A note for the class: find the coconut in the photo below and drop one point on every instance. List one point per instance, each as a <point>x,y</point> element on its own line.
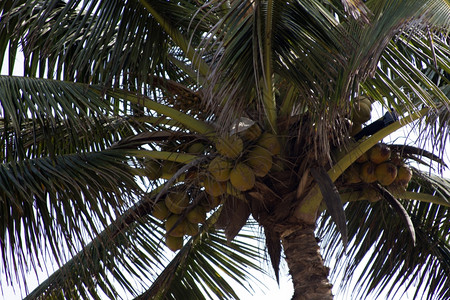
<point>363,158</point>
<point>196,215</point>
<point>361,111</point>
<point>196,148</point>
<point>174,243</point>
<point>364,100</point>
<point>367,172</point>
<point>230,146</point>
<point>396,158</point>
<point>213,187</point>
<point>270,142</point>
<point>351,175</point>
<point>191,229</point>
<point>252,133</point>
<point>379,153</point>
<point>160,211</point>
<point>174,229</point>
<point>242,177</point>
<point>386,173</point>
<point>220,168</point>
<point>404,176</point>
<point>176,202</point>
<point>356,127</point>
<point>371,195</point>
<point>260,160</point>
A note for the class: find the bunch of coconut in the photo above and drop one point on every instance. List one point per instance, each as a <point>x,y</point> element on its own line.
<point>180,217</point>
<point>380,165</point>
<point>234,170</point>
<point>239,159</point>
<point>360,113</point>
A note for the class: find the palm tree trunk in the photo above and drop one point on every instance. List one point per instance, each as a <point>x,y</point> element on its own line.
<point>309,275</point>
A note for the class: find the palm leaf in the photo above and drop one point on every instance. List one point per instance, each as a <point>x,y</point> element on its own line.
<point>394,261</point>
<point>127,248</point>
<point>204,266</point>
<point>35,112</point>
<point>238,82</point>
<point>188,121</point>
<point>131,248</point>
<point>69,198</point>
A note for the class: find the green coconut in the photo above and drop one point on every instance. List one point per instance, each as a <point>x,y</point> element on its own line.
<point>174,229</point>
<point>371,195</point>
<point>363,158</point>
<point>367,172</point>
<point>260,160</point>
<point>355,129</point>
<point>379,153</point>
<point>174,243</point>
<point>242,177</point>
<point>404,175</point>
<point>177,202</point>
<point>196,215</point>
<point>351,175</point>
<point>160,211</point>
<point>386,173</point>
<point>213,187</point>
<point>252,133</point>
<point>220,168</point>
<point>361,110</point>
<point>192,228</point>
<point>196,148</point>
<point>153,169</point>
<point>230,146</point>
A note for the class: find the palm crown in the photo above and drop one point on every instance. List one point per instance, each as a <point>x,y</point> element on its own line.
<point>143,123</point>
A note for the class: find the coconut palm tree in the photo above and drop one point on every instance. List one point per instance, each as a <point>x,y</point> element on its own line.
<point>144,124</point>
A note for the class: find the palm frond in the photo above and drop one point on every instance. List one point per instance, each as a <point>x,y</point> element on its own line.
<point>305,50</point>
<point>124,253</point>
<point>402,83</point>
<point>115,43</point>
<point>204,266</point>
<point>35,112</point>
<point>435,128</point>
<point>357,9</point>
<point>376,65</point>
<point>68,198</point>
<point>407,78</point>
<point>390,18</point>
<point>395,263</point>
<point>130,251</point>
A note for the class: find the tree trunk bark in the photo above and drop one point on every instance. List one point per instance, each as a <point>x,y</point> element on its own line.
<point>309,275</point>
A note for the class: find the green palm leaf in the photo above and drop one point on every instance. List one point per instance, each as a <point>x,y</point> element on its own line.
<point>109,39</point>
<point>203,267</point>
<point>44,200</point>
<point>394,261</point>
<point>130,249</point>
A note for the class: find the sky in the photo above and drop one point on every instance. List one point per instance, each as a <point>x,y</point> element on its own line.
<point>270,291</point>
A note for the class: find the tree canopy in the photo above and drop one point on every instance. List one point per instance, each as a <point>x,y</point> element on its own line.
<point>222,130</point>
